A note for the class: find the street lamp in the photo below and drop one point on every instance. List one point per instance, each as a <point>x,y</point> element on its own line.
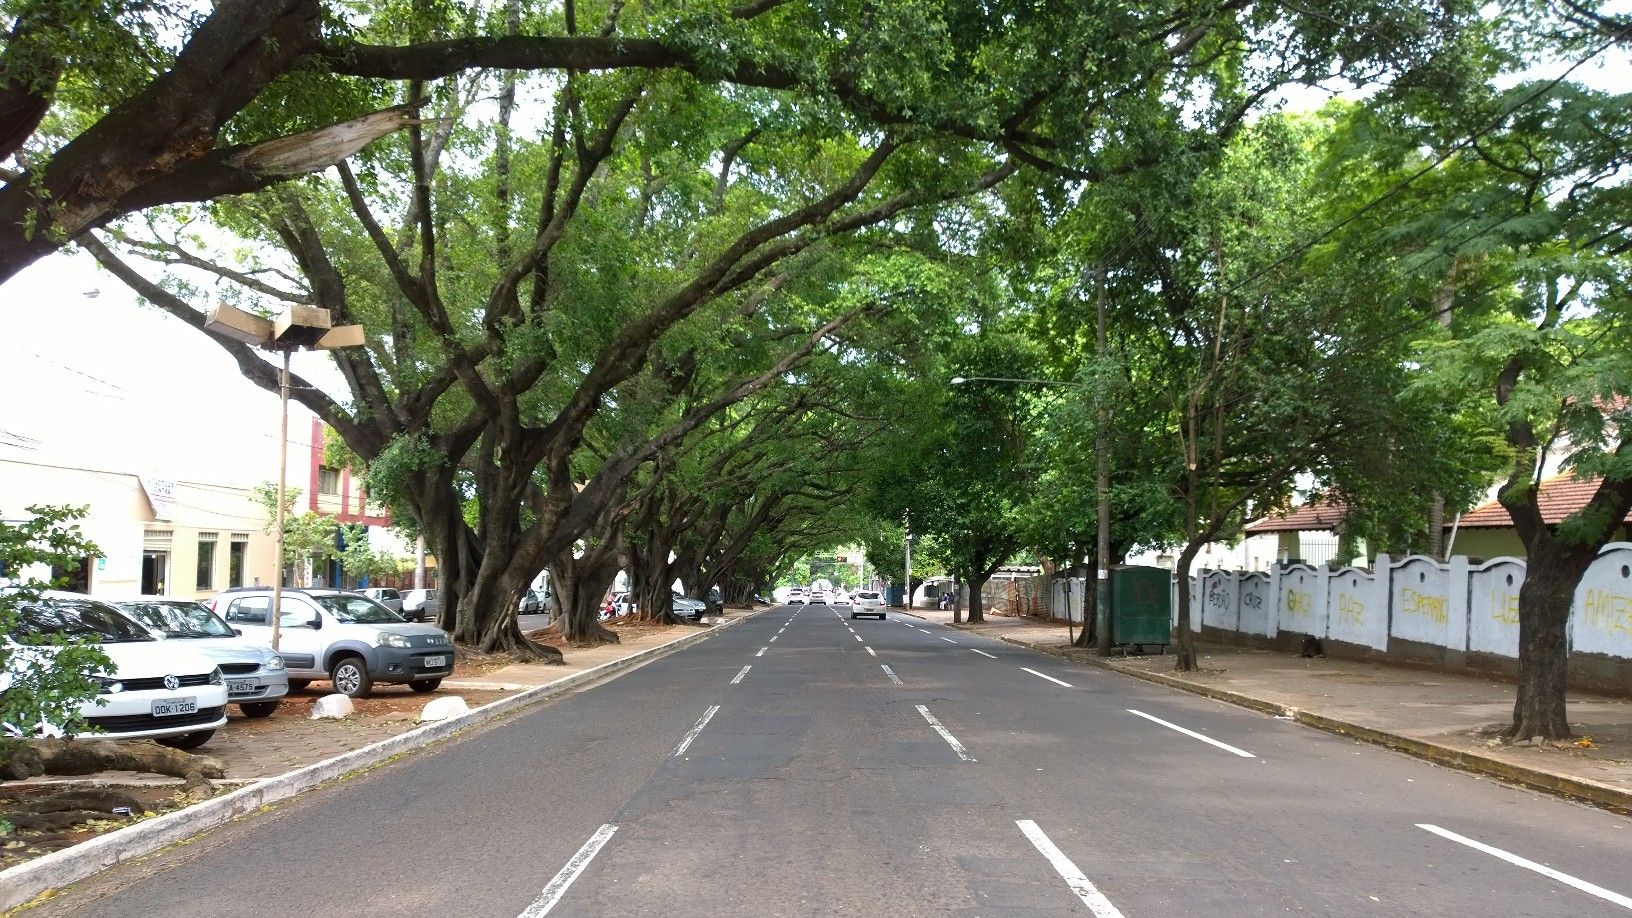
<point>1102,488</point>
<point>298,327</point>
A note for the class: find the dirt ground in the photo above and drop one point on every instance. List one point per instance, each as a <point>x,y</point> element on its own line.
<point>19,845</point>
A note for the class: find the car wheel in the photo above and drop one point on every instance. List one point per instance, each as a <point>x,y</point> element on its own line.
<point>258,708</point>
<point>296,685</point>
<point>350,677</point>
<point>423,686</point>
<point>852,616</point>
<point>187,740</point>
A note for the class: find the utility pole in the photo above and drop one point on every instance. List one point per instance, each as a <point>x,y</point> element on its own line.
<point>1102,487</point>
<point>907,540</point>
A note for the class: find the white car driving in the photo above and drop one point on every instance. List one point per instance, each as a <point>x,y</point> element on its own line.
<point>867,602</point>
<point>797,597</point>
<point>157,689</point>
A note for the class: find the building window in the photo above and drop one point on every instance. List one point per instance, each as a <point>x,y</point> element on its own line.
<point>206,560</point>
<point>237,552</point>
<point>328,480</point>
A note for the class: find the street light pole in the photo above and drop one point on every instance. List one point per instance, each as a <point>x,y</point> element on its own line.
<point>283,475</point>
<point>907,600</point>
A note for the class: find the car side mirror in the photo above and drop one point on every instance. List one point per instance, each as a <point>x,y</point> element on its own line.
<point>238,631</point>
<point>316,623</point>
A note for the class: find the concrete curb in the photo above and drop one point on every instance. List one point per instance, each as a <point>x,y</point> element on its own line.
<point>1596,793</point>
<point>26,882</point>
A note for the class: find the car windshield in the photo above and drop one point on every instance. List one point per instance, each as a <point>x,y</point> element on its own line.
<point>75,618</point>
<point>359,610</point>
<point>177,619</point>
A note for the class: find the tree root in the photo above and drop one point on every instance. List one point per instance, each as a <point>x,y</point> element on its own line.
<point>87,757</point>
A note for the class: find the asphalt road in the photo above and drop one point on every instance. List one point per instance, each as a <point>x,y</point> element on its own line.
<point>778,769</point>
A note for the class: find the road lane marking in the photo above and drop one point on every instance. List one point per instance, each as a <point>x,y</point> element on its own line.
<point>696,730</point>
<point>983,653</point>
<point>1049,678</point>
<point>741,675</point>
<point>1206,739</point>
<point>893,677</point>
<point>857,637</point>
<point>774,637</point>
<point>946,735</point>
<point>948,640</point>
<point>558,886</point>
<point>1080,884</point>
<point>872,651</point>
<point>1566,879</point>
<point>762,651</point>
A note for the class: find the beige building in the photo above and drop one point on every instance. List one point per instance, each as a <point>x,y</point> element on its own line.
<point>156,536</point>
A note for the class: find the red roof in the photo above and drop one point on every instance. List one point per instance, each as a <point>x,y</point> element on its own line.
<point>1560,496</point>
<point>1319,514</point>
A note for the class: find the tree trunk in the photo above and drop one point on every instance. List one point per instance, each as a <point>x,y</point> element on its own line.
<point>87,757</point>
<point>580,584</point>
<point>1184,646</point>
<point>957,601</point>
<point>1552,573</point>
<point>1089,600</point>
<point>977,601</point>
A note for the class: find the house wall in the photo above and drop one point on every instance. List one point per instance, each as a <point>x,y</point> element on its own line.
<point>122,521</point>
<point>1489,543</point>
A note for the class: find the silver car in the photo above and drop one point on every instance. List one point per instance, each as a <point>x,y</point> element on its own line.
<point>255,676</point>
<point>419,605</point>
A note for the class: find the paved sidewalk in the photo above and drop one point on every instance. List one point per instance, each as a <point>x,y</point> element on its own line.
<point>1446,717</point>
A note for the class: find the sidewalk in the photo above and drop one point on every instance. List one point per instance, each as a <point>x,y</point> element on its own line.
<point>1447,718</point>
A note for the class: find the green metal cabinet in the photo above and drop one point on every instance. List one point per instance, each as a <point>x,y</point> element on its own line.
<point>1141,605</point>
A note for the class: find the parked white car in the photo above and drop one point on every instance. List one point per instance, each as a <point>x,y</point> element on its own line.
<point>868,602</point>
<point>346,638</point>
<point>385,596</point>
<point>157,689</point>
<point>256,679</point>
<point>420,605</point>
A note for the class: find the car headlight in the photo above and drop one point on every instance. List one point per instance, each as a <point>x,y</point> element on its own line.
<point>390,639</point>
<point>273,663</point>
<point>216,678</point>
<point>108,686</point>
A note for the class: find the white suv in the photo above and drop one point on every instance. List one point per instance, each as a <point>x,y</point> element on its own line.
<point>868,602</point>
<point>346,638</point>
<point>157,690</point>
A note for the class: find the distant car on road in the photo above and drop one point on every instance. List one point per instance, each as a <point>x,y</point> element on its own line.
<point>868,602</point>
<point>420,605</point>
<point>254,672</point>
<point>798,597</point>
<point>821,596</point>
<point>841,603</point>
<point>385,596</point>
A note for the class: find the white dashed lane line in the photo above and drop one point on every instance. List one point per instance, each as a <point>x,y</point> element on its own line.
<point>945,734</point>
<point>1588,888</point>
<point>1191,733</point>
<point>1085,889</point>
<point>948,640</point>
<point>696,730</point>
<point>740,675</point>
<point>891,673</point>
<point>558,886</point>
<point>1048,677</point>
<point>762,651</point>
<point>871,651</point>
<point>984,654</point>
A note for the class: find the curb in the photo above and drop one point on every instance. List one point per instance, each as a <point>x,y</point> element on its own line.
<point>1607,796</point>
<point>27,882</point>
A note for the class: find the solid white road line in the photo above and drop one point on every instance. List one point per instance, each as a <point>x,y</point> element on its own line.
<point>984,653</point>
<point>948,640</point>
<point>558,886</point>
<point>695,730</point>
<point>950,739</point>
<point>741,675</point>
<point>762,651</point>
<point>1566,879</point>
<point>872,651</point>
<point>1080,884</point>
<point>891,673</point>
<point>1049,678</point>
<point>1206,739</point>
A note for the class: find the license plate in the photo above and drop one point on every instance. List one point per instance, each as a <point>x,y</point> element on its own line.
<point>173,706</point>
<point>242,687</point>
<point>434,662</point>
